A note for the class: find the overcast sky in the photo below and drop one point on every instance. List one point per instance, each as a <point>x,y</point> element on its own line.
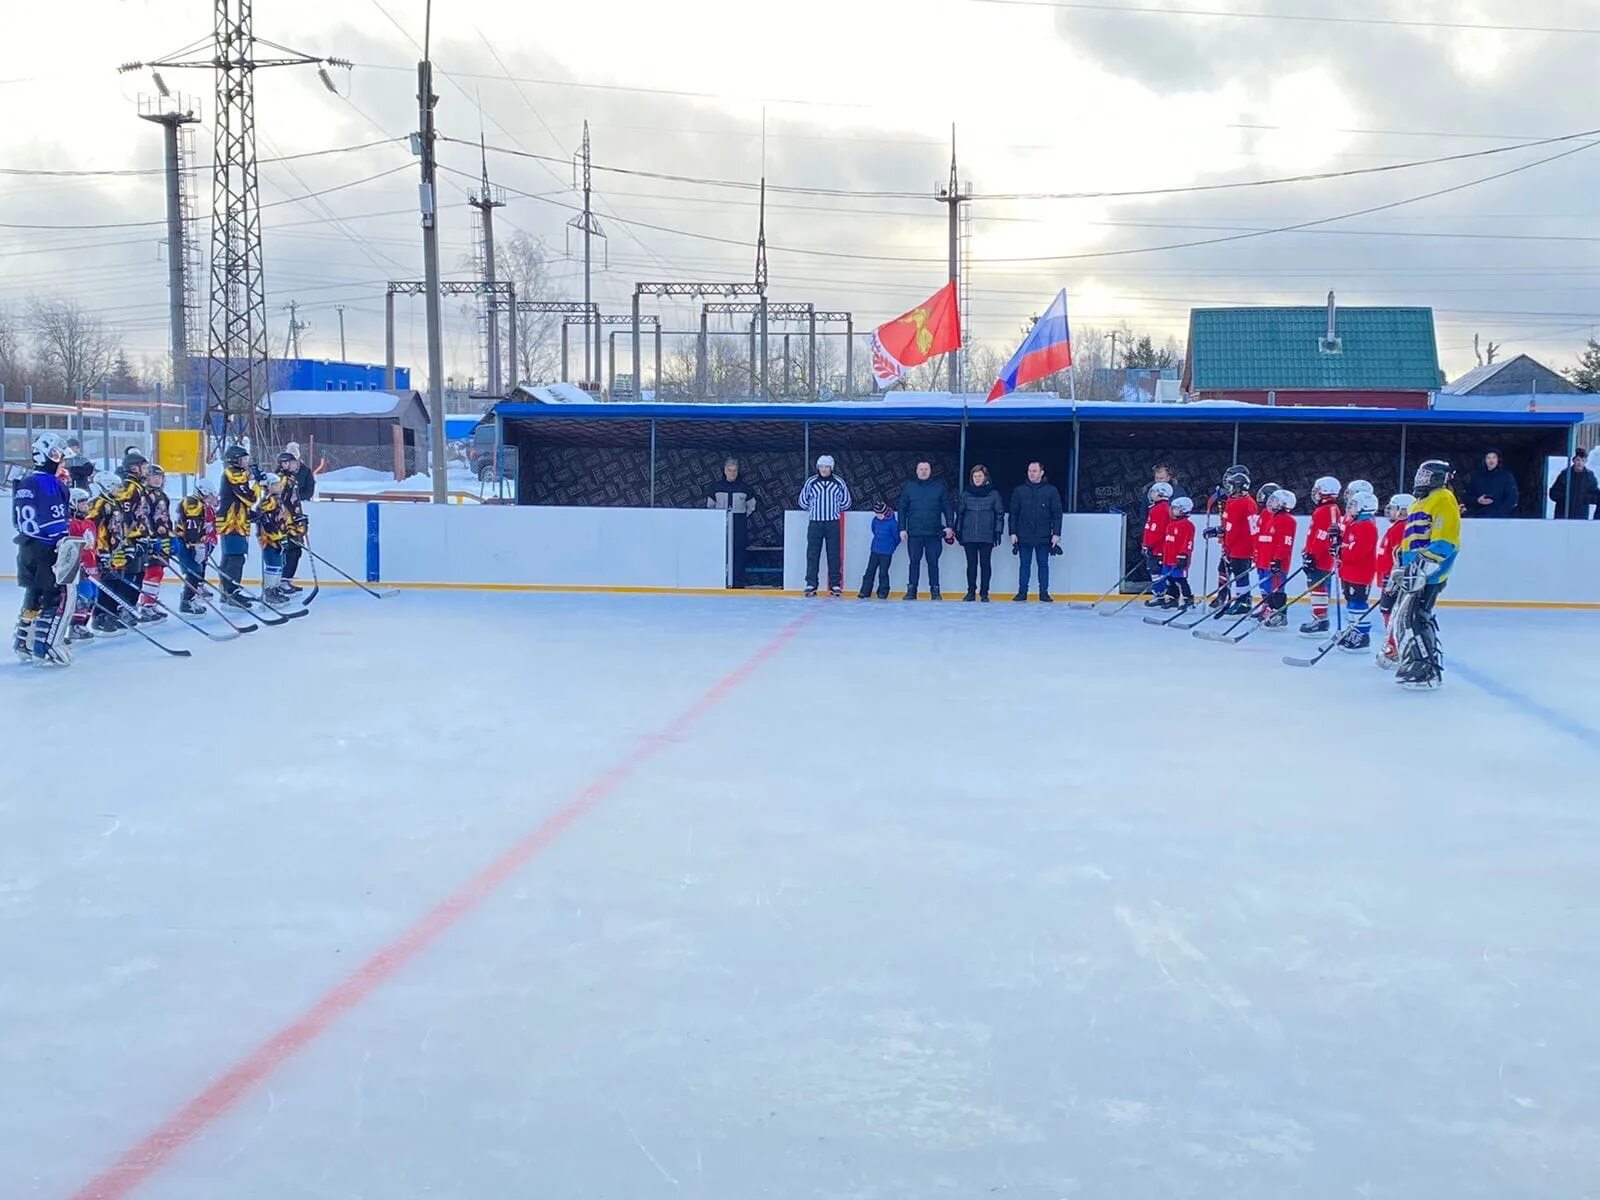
<point>859,96</point>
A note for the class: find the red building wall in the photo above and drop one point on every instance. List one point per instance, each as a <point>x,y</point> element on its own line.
<point>1335,399</point>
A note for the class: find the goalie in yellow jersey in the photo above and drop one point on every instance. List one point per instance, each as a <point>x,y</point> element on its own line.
<point>1427,554</point>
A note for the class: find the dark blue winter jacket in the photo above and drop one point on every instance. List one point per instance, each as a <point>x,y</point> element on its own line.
<point>885,534</point>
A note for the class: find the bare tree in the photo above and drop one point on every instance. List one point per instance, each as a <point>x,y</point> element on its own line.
<point>524,261</point>
<point>13,366</point>
<point>73,349</point>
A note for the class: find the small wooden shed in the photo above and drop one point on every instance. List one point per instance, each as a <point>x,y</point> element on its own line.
<point>381,430</point>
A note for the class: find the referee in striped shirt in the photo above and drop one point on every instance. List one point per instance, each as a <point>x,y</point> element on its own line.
<point>824,497</point>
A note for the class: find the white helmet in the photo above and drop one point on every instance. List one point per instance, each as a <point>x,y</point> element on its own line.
<point>1160,490</point>
<point>205,489</point>
<point>271,480</point>
<point>1285,499</point>
<point>106,484</point>
<point>824,460</point>
<point>1358,485</point>
<point>1327,487</point>
<point>1361,504</point>
<point>78,496</point>
<point>49,449</point>
<point>1403,501</point>
<point>1182,506</point>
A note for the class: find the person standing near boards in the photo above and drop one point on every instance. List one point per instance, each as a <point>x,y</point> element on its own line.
<point>824,497</point>
<point>980,520</point>
<point>1035,529</point>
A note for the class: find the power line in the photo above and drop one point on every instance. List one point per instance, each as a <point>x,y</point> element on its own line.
<point>198,167</point>
<point>1320,18</point>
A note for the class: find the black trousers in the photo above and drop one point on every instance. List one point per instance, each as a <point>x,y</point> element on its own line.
<point>36,575</point>
<point>877,566</point>
<point>919,546</point>
<point>291,560</point>
<point>979,566</point>
<point>820,535</point>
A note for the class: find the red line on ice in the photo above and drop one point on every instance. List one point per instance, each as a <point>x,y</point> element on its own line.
<point>140,1162</point>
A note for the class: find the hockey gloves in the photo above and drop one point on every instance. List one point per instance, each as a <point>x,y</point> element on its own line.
<point>1212,531</point>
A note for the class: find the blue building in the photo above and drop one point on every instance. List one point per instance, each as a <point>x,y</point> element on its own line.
<point>327,375</point>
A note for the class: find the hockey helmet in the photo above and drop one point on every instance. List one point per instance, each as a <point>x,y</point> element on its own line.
<point>235,455</point>
<point>1361,504</point>
<point>1236,479</point>
<point>1160,490</point>
<point>78,496</point>
<point>1325,488</point>
<point>1431,476</point>
<point>156,471</point>
<point>271,480</point>
<point>1358,485</point>
<point>1284,499</point>
<point>107,485</point>
<point>1264,493</point>
<point>287,456</point>
<point>1399,505</point>
<point>49,449</point>
<point>205,489</point>
<point>1182,506</point>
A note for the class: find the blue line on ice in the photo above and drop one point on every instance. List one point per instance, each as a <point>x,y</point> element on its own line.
<point>1525,703</point>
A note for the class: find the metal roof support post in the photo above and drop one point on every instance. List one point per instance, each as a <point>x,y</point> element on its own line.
<point>566,376</point>
<point>638,383</point>
<point>961,471</point>
<point>500,461</point>
<point>1572,449</point>
<point>1402,480</point>
<point>1072,468</point>
<point>1235,441</point>
<point>652,455</point>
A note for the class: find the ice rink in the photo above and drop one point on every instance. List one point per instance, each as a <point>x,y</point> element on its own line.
<point>469,896</point>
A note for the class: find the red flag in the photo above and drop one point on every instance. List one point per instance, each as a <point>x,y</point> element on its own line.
<point>933,327</point>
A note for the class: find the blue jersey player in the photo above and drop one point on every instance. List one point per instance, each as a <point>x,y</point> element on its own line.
<point>40,510</point>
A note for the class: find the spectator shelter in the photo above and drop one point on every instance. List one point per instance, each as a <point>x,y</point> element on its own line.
<point>384,431</point>
<point>1100,455</point>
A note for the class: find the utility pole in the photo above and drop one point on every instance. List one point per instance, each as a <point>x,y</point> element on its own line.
<point>172,117</point>
<point>591,229</point>
<point>430,265</point>
<point>953,197</point>
<point>343,357</point>
<point>1113,335</point>
<point>761,267</point>
<point>486,199</point>
<point>291,343</point>
<point>237,373</point>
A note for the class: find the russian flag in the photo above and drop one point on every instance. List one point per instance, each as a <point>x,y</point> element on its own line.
<point>1046,350</point>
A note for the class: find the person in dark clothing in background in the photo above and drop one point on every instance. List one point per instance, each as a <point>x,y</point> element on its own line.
<point>305,479</point>
<point>925,523</point>
<point>980,520</point>
<point>1035,529</point>
<point>1492,490</point>
<point>1585,489</point>
<point>885,538</point>
<point>733,494</point>
<point>1162,472</point>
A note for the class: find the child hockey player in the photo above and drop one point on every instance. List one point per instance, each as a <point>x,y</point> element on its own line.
<point>118,514</point>
<point>1176,550</point>
<point>40,511</point>
<point>885,537</point>
<point>1154,538</point>
<point>79,526</point>
<point>1237,533</point>
<point>239,497</point>
<point>1432,541</point>
<point>1274,544</point>
<point>158,524</point>
<point>1358,563</point>
<point>1321,546</point>
<point>1388,582</point>
<point>295,523</point>
<point>197,538</point>
<point>271,532</point>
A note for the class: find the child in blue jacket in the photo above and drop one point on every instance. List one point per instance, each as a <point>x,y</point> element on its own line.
<point>885,537</point>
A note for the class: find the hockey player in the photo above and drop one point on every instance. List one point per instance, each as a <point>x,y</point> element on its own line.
<point>118,514</point>
<point>1358,563</point>
<point>80,527</point>
<point>158,524</point>
<point>106,518</point>
<point>1237,532</point>
<point>197,538</point>
<point>1432,541</point>
<point>1176,550</point>
<point>40,511</point>
<point>1274,543</point>
<point>1153,541</point>
<point>295,522</point>
<point>239,497</point>
<point>271,531</point>
<point>1321,546</point>
<point>1399,508</point>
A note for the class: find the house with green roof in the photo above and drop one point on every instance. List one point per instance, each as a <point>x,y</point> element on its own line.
<point>1361,357</point>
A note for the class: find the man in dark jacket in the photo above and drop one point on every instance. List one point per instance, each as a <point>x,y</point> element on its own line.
<point>1492,490</point>
<point>1585,489</point>
<point>732,494</point>
<point>1035,529</point>
<point>925,521</point>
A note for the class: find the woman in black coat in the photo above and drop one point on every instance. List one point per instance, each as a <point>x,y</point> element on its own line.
<point>980,520</point>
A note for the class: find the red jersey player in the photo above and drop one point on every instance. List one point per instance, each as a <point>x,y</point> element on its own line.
<point>1155,535</point>
<point>1358,562</point>
<point>1275,529</point>
<point>1177,548</point>
<point>1319,551</point>
<point>80,526</point>
<point>1388,558</point>
<point>1238,543</point>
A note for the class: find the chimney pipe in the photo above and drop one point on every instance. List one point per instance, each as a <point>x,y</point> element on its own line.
<point>1332,336</point>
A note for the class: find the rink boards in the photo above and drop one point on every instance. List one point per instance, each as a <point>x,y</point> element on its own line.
<point>1509,562</point>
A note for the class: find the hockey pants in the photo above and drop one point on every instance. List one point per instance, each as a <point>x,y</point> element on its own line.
<point>1317,580</point>
<point>234,548</point>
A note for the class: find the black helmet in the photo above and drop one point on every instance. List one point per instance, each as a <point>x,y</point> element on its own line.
<point>235,454</point>
<point>1431,476</point>
<point>286,457</point>
<point>1264,492</point>
<point>1236,479</point>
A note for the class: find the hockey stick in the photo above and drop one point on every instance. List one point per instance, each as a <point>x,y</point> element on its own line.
<point>133,623</point>
<point>1225,635</point>
<point>316,584</point>
<point>376,593</point>
<point>205,592</point>
<point>233,630</point>
<point>250,598</point>
<point>1085,605</point>
<point>1290,660</point>
<point>1111,612</point>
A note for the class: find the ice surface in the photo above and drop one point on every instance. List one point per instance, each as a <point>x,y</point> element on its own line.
<point>932,901</point>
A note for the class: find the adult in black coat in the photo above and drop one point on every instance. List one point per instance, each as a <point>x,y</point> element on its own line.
<point>1035,529</point>
<point>1585,489</point>
<point>305,479</point>
<point>1492,490</point>
<point>926,521</point>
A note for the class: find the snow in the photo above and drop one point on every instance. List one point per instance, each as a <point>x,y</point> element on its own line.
<point>366,481</point>
<point>898,901</point>
<point>308,403</point>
